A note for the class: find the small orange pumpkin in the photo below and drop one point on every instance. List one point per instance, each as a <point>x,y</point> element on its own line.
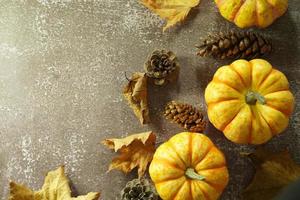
<point>249,101</point>
<point>247,13</point>
<point>189,167</point>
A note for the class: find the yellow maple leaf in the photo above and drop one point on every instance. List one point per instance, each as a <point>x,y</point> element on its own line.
<point>274,171</point>
<point>135,151</point>
<point>173,11</point>
<point>135,93</point>
<point>56,187</point>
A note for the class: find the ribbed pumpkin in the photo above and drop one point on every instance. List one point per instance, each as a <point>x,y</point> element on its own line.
<point>249,101</point>
<point>247,13</point>
<point>189,167</point>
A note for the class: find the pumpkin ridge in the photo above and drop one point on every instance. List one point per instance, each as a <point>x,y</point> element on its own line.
<point>215,79</point>
<point>205,154</point>
<point>270,84</point>
<point>167,162</point>
<point>174,149</point>
<point>194,184</point>
<point>265,78</point>
<point>283,112</point>
<point>284,90</point>
<point>234,14</point>
<point>251,75</point>
<point>218,187</point>
<point>241,78</point>
<point>179,190</point>
<point>251,71</point>
<point>190,188</point>
<point>251,126</point>
<point>173,157</point>
<point>212,168</point>
<point>169,179</point>
<point>277,91</point>
<point>224,99</point>
<point>191,148</point>
<point>275,12</point>
<point>176,192</point>
<point>223,128</point>
<point>237,10</point>
<point>262,116</point>
<point>205,193</point>
<point>256,13</point>
<point>288,111</point>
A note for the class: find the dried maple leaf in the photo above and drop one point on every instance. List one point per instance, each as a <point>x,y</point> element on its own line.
<point>136,94</point>
<point>135,151</point>
<point>173,11</point>
<point>56,187</point>
<point>273,173</point>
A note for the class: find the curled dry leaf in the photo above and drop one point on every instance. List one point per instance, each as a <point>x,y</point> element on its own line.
<point>274,171</point>
<point>136,94</point>
<point>56,187</point>
<point>173,11</point>
<point>135,151</point>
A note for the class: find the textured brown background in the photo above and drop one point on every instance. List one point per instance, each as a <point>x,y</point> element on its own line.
<point>61,76</point>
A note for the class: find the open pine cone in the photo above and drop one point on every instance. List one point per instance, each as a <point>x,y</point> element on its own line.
<point>139,189</point>
<point>237,45</point>
<point>161,66</point>
<point>186,116</point>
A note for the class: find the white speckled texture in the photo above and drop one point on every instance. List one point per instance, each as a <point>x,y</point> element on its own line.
<point>61,77</point>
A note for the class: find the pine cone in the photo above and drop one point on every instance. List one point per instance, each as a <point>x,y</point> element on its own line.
<point>243,45</point>
<point>161,65</point>
<point>186,116</point>
<point>139,189</point>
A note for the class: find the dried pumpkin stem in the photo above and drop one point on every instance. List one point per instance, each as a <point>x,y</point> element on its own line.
<point>190,173</point>
<point>253,97</point>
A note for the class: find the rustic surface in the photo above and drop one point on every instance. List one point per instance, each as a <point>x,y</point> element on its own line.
<point>61,76</point>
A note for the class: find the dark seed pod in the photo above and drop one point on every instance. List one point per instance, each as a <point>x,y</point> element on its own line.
<point>161,65</point>
<point>139,189</point>
<point>235,45</point>
<point>186,116</point>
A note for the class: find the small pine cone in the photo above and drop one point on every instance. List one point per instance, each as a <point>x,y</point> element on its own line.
<point>236,45</point>
<point>160,65</point>
<point>139,189</point>
<point>186,116</point>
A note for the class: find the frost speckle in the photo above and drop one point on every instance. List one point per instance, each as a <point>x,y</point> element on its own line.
<point>8,51</point>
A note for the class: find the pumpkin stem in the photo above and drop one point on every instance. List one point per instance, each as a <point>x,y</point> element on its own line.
<point>190,173</point>
<point>253,97</point>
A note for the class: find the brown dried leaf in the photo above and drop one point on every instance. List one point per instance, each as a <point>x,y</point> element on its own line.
<point>136,94</point>
<point>56,187</point>
<point>173,11</point>
<point>135,151</point>
<point>274,171</point>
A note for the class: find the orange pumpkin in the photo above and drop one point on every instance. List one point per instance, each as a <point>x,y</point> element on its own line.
<point>249,101</point>
<point>247,13</point>
<point>189,167</point>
